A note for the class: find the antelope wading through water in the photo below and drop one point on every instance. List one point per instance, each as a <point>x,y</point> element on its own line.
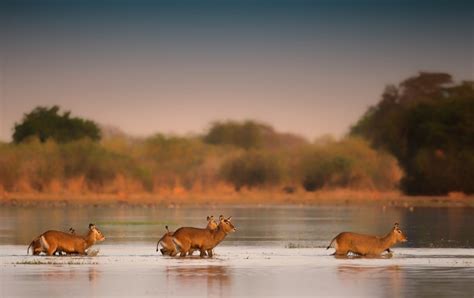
<point>366,245</point>
<point>166,242</point>
<point>36,245</point>
<point>204,240</point>
<point>52,241</point>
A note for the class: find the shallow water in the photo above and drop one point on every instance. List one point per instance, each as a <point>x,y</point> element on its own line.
<point>257,260</point>
<point>269,226</point>
<point>239,271</point>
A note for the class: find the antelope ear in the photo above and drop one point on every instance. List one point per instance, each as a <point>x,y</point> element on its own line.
<point>229,218</point>
<point>208,218</point>
<point>91,226</point>
<point>221,217</point>
<point>396,225</point>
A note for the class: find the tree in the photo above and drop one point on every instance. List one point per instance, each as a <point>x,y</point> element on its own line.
<point>427,123</point>
<point>245,135</point>
<point>252,169</point>
<point>250,135</point>
<point>46,123</point>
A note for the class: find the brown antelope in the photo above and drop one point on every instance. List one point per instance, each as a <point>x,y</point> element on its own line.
<point>52,241</point>
<point>204,240</point>
<point>36,245</point>
<point>365,244</point>
<point>167,241</point>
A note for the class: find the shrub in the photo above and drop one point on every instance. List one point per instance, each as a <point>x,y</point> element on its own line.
<point>252,169</point>
<point>347,163</point>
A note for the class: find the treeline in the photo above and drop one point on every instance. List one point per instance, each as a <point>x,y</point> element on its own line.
<point>230,156</point>
<point>419,137</point>
<point>427,123</point>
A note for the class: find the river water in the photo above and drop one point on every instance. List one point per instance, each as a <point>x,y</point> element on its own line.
<point>276,251</point>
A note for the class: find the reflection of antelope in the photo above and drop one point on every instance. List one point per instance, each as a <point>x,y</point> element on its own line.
<point>52,241</point>
<point>216,278</point>
<point>167,240</point>
<point>36,245</point>
<point>205,240</point>
<point>365,244</point>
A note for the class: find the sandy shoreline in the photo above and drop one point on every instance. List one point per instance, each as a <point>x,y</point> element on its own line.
<point>248,198</point>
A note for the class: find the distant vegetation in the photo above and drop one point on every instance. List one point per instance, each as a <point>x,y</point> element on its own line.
<point>250,135</point>
<point>427,123</point>
<point>349,163</point>
<point>251,169</point>
<point>230,156</point>
<point>46,123</point>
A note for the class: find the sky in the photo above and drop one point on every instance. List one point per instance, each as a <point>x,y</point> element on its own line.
<point>306,67</point>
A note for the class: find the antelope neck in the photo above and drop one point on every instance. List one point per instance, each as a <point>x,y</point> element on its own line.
<point>219,233</point>
<point>388,239</point>
<point>89,238</point>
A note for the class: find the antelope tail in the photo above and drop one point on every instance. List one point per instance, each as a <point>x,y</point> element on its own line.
<point>330,244</point>
<point>161,242</point>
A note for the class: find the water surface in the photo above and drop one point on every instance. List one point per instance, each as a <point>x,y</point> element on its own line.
<point>276,251</point>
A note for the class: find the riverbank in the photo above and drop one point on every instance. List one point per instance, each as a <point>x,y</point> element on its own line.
<point>254,197</point>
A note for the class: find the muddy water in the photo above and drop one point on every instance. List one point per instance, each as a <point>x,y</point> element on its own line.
<point>275,252</point>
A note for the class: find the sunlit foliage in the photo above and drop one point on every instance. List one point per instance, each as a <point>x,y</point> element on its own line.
<point>427,123</point>
<point>349,163</point>
<point>243,155</point>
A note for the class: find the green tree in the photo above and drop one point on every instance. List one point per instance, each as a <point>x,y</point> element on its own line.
<point>251,135</point>
<point>427,122</point>
<point>46,123</point>
<point>245,135</point>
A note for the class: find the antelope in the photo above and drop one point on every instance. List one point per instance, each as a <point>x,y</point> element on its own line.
<point>36,245</point>
<point>365,244</point>
<point>167,241</point>
<point>52,241</point>
<point>205,240</point>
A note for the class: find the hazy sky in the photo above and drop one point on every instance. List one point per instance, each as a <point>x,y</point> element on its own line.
<point>307,67</point>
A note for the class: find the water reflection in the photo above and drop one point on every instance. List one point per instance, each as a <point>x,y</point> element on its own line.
<point>355,256</point>
<point>93,274</point>
<point>447,282</point>
<point>387,281</point>
<point>311,226</point>
<point>62,274</point>
<point>215,280</point>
